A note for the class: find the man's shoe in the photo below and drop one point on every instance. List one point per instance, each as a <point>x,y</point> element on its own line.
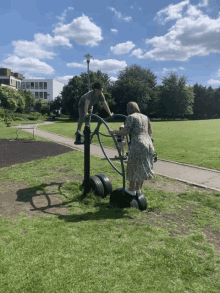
<point>78,142</point>
<point>78,139</point>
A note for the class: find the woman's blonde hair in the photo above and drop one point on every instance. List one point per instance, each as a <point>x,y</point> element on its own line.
<point>132,108</point>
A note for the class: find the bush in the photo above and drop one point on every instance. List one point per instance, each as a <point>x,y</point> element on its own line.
<point>20,116</point>
<point>215,116</point>
<point>64,116</point>
<point>35,116</point>
<point>45,116</point>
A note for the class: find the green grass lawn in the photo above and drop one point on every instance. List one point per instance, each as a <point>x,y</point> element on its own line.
<point>98,249</point>
<point>192,142</point>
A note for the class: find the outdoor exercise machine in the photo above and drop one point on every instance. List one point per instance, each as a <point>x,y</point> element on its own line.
<point>100,183</point>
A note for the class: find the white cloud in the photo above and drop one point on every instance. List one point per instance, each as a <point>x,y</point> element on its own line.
<point>27,64</point>
<point>106,66</point>
<point>132,7</point>
<point>168,69</point>
<point>128,18</point>
<point>63,15</point>
<point>172,12</point>
<point>204,4</point>
<point>113,30</point>
<point>119,15</point>
<point>47,40</point>
<point>36,49</point>
<point>31,49</point>
<point>213,82</point>
<point>122,48</point>
<point>64,79</point>
<point>82,30</point>
<point>138,53</point>
<point>113,79</point>
<point>165,70</point>
<point>73,64</point>
<point>193,35</point>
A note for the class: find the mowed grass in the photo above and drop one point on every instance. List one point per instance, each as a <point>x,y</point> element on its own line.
<point>98,249</point>
<point>193,142</point>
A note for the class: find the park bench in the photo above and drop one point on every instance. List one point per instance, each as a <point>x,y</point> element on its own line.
<point>22,126</point>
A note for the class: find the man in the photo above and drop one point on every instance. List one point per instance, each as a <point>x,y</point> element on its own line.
<point>86,103</point>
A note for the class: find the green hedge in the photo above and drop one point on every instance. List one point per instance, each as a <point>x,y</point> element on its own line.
<point>22,117</point>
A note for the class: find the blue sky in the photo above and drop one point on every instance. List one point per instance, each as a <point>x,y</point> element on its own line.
<point>48,39</point>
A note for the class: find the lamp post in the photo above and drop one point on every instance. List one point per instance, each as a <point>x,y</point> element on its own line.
<point>88,60</point>
<point>49,104</point>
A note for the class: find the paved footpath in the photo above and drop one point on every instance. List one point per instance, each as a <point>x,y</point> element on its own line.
<point>198,176</point>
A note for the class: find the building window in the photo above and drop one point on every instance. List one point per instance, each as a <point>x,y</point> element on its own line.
<point>40,85</point>
<point>32,85</point>
<point>16,84</point>
<point>45,85</point>
<point>45,95</point>
<point>41,95</point>
<point>36,95</point>
<point>36,85</point>
<point>23,85</point>
<point>28,85</point>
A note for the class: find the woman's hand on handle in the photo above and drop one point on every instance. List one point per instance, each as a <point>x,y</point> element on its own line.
<point>111,131</point>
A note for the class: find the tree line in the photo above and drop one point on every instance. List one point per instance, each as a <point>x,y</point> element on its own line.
<point>172,99</point>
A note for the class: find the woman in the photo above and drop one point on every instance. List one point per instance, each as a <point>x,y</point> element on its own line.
<point>140,159</point>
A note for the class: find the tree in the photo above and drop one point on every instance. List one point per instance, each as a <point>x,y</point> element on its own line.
<point>71,94</point>
<point>135,84</point>
<point>41,106</point>
<point>11,99</point>
<point>207,102</point>
<point>29,99</point>
<point>56,104</point>
<point>217,103</point>
<point>176,99</point>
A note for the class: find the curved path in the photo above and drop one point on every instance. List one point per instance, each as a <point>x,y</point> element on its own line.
<point>202,177</point>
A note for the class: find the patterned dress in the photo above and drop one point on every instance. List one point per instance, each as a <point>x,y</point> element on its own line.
<point>140,159</point>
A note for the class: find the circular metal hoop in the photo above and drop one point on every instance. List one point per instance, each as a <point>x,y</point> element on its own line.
<point>113,136</point>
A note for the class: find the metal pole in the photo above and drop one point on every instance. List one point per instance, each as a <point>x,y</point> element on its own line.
<point>88,77</point>
<point>87,133</point>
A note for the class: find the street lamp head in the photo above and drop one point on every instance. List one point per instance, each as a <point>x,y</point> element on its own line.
<point>88,57</point>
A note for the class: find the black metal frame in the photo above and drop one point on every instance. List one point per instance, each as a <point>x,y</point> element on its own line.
<point>88,135</point>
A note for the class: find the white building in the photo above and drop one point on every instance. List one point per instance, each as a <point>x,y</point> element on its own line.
<point>46,89</point>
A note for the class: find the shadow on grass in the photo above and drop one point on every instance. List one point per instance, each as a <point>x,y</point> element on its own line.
<point>105,210</point>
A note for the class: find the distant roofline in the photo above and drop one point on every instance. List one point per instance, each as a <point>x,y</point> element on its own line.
<point>42,79</point>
